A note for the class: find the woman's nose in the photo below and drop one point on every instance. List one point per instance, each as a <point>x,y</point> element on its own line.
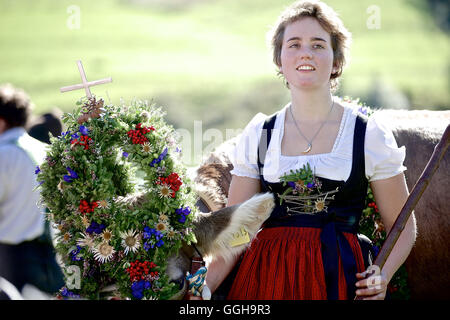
<point>305,53</point>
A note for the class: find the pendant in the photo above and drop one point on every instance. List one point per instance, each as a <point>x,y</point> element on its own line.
<point>308,149</point>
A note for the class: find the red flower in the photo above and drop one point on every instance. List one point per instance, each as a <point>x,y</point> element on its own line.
<point>138,135</point>
<point>173,181</point>
<point>86,207</point>
<point>84,141</point>
<point>138,270</point>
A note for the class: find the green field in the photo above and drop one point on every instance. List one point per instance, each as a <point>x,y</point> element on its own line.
<point>207,60</point>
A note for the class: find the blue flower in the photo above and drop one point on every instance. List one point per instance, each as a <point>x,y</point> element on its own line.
<point>72,175</point>
<point>291,184</point>
<point>160,158</point>
<point>74,253</point>
<point>154,237</point>
<point>37,170</point>
<point>138,287</point>
<point>125,154</point>
<point>147,246</point>
<point>63,134</point>
<point>183,213</point>
<point>68,294</point>
<point>95,227</point>
<point>311,184</point>
<point>148,232</point>
<point>84,131</point>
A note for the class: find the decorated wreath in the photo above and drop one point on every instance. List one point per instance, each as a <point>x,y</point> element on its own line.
<point>108,153</point>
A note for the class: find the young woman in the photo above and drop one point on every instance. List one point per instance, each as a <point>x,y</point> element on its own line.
<point>315,256</point>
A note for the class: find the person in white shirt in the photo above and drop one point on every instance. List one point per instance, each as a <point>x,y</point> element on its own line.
<point>26,251</point>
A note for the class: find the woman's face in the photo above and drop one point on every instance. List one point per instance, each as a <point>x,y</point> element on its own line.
<point>306,55</point>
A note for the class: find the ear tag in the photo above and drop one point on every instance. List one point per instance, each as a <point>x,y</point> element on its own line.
<point>239,238</point>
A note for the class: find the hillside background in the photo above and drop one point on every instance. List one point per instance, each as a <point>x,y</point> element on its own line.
<point>207,60</point>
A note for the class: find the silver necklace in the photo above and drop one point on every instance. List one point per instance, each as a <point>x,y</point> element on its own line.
<point>308,149</point>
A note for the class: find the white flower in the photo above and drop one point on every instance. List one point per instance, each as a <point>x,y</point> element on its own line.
<point>163,217</point>
<point>162,226</point>
<point>165,191</point>
<point>130,241</point>
<point>103,252</point>
<point>103,204</point>
<point>86,240</point>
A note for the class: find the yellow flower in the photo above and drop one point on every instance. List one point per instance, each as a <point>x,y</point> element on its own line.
<point>66,237</point>
<point>162,217</point>
<point>107,235</point>
<point>161,226</point>
<point>171,234</point>
<point>319,205</point>
<point>146,147</point>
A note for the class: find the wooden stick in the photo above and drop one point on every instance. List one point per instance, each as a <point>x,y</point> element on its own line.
<point>411,202</point>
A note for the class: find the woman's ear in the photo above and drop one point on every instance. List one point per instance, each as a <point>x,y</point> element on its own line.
<point>335,68</point>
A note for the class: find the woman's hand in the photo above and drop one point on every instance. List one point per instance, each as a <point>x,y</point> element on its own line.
<point>372,288</point>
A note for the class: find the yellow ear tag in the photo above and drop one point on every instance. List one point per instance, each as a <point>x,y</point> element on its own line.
<point>239,238</point>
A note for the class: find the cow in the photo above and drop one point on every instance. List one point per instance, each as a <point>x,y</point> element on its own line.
<point>419,131</point>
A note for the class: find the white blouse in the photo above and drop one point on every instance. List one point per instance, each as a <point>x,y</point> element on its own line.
<point>383,158</point>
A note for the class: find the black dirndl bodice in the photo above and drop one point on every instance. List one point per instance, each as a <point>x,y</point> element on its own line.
<point>342,215</point>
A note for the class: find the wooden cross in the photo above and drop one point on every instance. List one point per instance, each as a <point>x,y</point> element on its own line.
<point>85,83</point>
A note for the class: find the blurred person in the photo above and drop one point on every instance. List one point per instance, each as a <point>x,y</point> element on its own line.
<point>42,126</point>
<point>26,251</point>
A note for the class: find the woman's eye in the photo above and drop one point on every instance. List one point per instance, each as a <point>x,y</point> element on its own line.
<point>294,45</point>
<point>318,46</point>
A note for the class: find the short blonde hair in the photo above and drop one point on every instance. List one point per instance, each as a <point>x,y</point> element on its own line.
<point>330,22</point>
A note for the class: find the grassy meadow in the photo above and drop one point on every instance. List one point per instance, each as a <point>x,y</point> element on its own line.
<point>207,60</point>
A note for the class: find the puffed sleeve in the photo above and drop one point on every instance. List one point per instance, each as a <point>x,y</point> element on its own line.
<point>244,155</point>
<point>383,157</point>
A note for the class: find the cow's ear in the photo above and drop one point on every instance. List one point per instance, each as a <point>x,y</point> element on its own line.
<point>216,232</point>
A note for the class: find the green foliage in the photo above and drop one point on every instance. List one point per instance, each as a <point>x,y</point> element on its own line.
<point>99,173</point>
<point>372,226</point>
